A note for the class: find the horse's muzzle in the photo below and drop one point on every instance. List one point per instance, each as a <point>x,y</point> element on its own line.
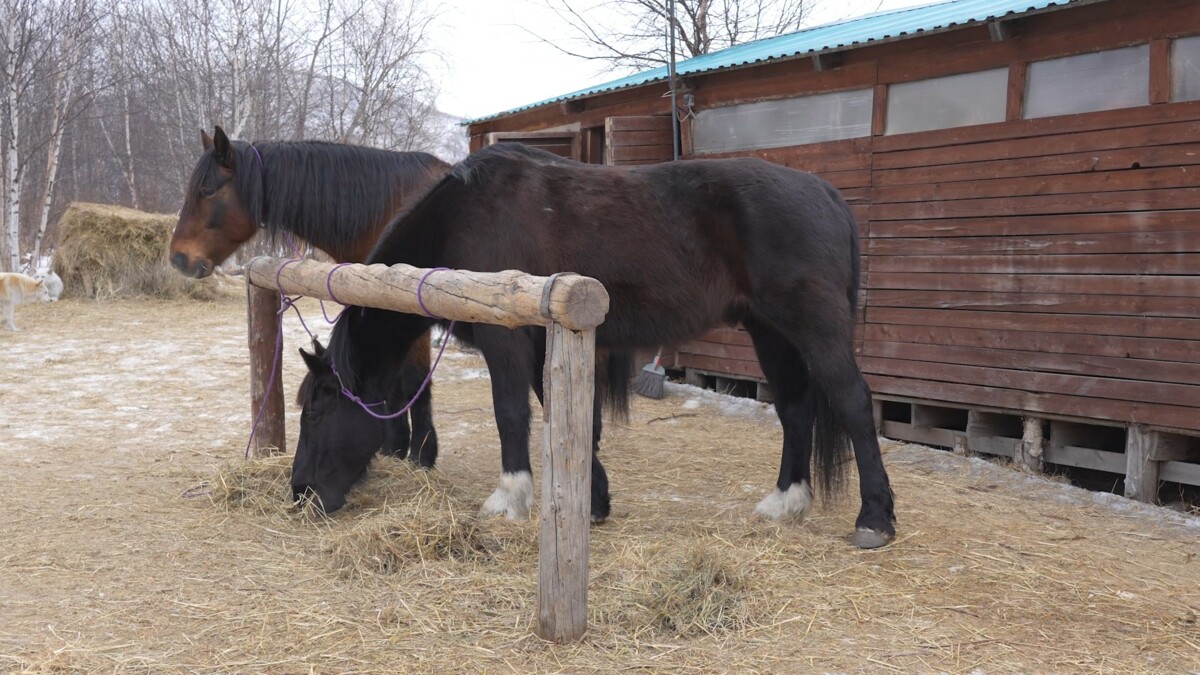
<point>197,269</point>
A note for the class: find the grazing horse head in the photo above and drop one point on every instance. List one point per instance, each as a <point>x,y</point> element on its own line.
<point>338,436</point>
<point>219,210</point>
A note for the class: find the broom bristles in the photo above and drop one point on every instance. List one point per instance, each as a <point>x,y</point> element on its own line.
<point>649,382</point>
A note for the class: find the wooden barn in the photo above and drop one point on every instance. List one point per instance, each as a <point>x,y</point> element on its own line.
<point>1026,179</point>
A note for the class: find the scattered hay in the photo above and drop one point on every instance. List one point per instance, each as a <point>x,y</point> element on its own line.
<point>259,485</point>
<point>400,516</point>
<point>107,252</point>
<point>698,592</point>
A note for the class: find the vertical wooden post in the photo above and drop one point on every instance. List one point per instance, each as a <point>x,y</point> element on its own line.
<point>263,336</point>
<point>566,485</point>
<point>1032,449</point>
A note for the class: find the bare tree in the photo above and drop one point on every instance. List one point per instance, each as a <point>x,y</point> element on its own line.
<point>72,29</point>
<point>631,34</point>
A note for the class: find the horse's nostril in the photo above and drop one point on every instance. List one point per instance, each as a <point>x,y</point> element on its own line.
<point>303,493</point>
<point>180,261</point>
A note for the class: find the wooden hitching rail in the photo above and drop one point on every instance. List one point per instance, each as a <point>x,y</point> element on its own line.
<point>570,306</point>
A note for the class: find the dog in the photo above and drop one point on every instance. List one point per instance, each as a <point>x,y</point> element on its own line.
<point>54,283</point>
<point>16,288</point>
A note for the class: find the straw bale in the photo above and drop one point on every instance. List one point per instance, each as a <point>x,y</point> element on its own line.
<point>107,252</point>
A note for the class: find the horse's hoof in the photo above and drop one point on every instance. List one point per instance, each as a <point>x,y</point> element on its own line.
<point>599,520</point>
<point>866,538</point>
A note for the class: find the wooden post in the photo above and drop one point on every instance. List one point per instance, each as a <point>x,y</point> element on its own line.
<point>266,379</point>
<point>1145,451</point>
<point>566,485</point>
<point>1032,448</point>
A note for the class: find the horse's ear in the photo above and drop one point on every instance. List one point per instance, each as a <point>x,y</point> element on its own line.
<point>315,363</point>
<point>318,348</point>
<point>206,140</point>
<point>222,150</point>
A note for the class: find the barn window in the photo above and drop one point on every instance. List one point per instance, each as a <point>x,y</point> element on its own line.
<point>944,102</point>
<point>1117,78</point>
<point>1185,69</point>
<point>792,121</point>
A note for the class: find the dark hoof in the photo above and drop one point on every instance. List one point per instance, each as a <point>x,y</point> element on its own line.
<point>866,538</point>
<point>599,520</point>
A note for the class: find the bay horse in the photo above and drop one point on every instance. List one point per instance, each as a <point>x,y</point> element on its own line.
<point>681,247</point>
<point>337,197</point>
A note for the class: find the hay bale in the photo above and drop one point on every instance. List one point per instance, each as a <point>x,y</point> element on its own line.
<point>107,252</point>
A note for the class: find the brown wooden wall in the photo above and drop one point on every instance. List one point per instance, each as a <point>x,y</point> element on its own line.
<point>1049,266</point>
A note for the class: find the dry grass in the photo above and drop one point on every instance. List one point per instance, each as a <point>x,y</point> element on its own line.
<point>145,549</point>
<point>106,252</point>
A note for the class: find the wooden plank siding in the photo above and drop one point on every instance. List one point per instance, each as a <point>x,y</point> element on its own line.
<point>1041,266</point>
<point>644,139</point>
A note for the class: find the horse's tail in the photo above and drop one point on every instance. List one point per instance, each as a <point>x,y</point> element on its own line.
<point>831,444</point>
<point>832,450</point>
<point>615,380</point>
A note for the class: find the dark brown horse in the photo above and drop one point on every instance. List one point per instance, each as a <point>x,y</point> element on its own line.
<point>680,247</point>
<point>336,197</point>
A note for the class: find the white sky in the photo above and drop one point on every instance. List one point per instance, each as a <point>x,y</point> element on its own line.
<point>490,64</point>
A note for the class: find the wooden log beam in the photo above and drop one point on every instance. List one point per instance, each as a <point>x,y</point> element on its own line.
<point>508,298</point>
<point>565,511</point>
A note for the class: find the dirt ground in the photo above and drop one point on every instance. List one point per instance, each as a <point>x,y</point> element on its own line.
<point>115,419</point>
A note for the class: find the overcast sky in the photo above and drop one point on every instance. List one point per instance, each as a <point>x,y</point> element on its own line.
<point>491,63</point>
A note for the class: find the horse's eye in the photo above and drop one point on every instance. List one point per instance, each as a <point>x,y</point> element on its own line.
<point>206,192</point>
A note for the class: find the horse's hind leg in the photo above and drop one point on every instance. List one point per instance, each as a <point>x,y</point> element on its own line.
<point>821,327</point>
<point>781,363</point>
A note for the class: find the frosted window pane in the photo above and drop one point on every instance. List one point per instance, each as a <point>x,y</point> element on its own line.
<point>774,124</point>
<point>1185,69</point>
<point>1118,78</point>
<point>944,102</point>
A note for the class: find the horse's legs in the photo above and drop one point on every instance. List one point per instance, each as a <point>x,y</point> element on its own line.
<point>424,447</point>
<point>601,503</point>
<point>782,364</point>
<point>508,354</point>
<point>821,326</point>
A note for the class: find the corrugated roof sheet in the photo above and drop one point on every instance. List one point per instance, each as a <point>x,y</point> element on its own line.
<point>839,35</point>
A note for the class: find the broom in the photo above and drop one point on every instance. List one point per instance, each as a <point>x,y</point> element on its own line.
<point>649,382</point>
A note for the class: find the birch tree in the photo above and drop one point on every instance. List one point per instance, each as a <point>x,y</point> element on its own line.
<point>72,29</point>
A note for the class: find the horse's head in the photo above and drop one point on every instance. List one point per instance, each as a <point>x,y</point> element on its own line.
<point>337,437</point>
<point>214,220</point>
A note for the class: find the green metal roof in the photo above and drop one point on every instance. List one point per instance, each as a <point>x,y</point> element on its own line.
<point>837,36</point>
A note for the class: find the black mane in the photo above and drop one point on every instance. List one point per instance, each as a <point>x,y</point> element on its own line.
<point>324,193</point>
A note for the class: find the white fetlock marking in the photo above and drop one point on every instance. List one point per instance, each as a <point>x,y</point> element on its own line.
<point>791,504</point>
<point>513,498</point>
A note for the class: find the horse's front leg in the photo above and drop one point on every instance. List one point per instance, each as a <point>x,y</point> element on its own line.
<point>508,354</point>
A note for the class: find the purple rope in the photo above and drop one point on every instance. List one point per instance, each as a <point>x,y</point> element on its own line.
<point>261,165</point>
<point>285,303</point>
<point>421,390</point>
<point>421,284</point>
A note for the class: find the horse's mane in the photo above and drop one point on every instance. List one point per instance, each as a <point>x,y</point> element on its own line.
<point>319,191</point>
<point>456,185</point>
